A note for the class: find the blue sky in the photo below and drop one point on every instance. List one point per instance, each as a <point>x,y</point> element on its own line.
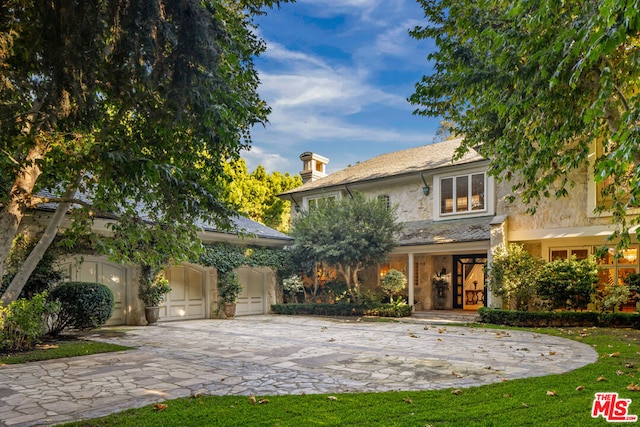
<point>337,74</point>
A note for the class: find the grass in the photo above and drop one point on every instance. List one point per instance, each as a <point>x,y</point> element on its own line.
<point>554,400</point>
<point>60,348</point>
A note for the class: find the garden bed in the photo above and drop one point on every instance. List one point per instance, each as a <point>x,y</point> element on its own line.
<point>382,310</point>
<point>558,318</point>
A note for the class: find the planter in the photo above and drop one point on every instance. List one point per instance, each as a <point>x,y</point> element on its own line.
<point>230,310</point>
<point>152,314</point>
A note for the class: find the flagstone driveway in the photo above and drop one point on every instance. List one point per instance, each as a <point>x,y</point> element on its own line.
<point>274,355</point>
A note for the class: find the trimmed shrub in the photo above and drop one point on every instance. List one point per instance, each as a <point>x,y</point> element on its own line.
<point>393,282</point>
<point>343,309</point>
<point>568,283</point>
<point>83,305</point>
<point>513,274</point>
<point>22,323</point>
<point>557,318</point>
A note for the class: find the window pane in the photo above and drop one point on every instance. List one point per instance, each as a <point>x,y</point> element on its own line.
<point>446,195</point>
<point>607,258</point>
<point>606,276</point>
<point>462,193</point>
<point>580,253</point>
<point>558,254</point>
<point>624,272</point>
<point>313,203</point>
<point>629,256</point>
<point>477,192</point>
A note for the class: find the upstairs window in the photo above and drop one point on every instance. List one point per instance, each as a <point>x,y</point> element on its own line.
<point>316,201</point>
<point>385,199</point>
<point>462,194</point>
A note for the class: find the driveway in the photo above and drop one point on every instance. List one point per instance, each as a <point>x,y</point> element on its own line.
<point>267,355</point>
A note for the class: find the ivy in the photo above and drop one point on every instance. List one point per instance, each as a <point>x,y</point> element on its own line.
<point>226,258</point>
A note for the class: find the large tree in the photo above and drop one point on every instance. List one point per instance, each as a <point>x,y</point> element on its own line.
<point>255,193</point>
<point>538,86</point>
<point>136,103</point>
<point>349,235</point>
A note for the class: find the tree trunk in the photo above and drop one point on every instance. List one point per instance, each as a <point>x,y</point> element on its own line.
<point>20,279</point>
<point>12,214</point>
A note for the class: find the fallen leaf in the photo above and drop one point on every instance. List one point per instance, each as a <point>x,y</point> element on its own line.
<point>407,400</point>
<point>601,378</point>
<point>551,393</point>
<point>263,401</point>
<point>159,407</point>
<point>439,339</point>
<point>525,405</point>
<point>331,340</point>
<point>252,399</point>
<point>332,398</point>
<point>455,374</point>
<point>616,354</point>
<point>618,373</point>
<point>580,388</point>
<point>507,395</point>
<point>426,328</point>
<point>440,331</point>
<point>196,394</point>
<point>412,335</point>
<point>456,392</point>
<point>551,353</point>
<point>633,387</point>
<point>629,365</point>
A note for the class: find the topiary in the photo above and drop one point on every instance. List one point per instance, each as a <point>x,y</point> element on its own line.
<point>83,305</point>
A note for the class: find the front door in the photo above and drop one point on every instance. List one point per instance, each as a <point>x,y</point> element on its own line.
<point>469,291</point>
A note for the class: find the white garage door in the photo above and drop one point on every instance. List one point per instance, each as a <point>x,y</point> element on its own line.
<point>253,296</point>
<point>96,269</point>
<point>187,297</point>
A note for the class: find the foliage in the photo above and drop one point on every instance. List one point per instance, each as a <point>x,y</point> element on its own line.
<point>348,234</point>
<point>293,285</point>
<point>568,282</point>
<point>125,109</point>
<point>513,275</point>
<point>22,323</point>
<point>43,278</point>
<point>393,282</point>
<point>82,305</point>
<point>539,319</point>
<point>152,293</point>
<point>632,280</point>
<point>255,193</point>
<point>441,285</point>
<point>398,309</point>
<point>226,257</point>
<point>612,297</point>
<point>229,287</point>
<point>538,87</point>
<point>60,350</point>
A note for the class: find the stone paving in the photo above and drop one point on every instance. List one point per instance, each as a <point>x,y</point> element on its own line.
<point>267,355</point>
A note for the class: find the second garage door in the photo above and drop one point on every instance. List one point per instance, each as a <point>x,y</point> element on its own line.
<point>252,299</point>
<point>187,299</point>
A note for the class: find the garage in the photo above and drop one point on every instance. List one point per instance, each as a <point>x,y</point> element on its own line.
<point>187,299</point>
<point>98,269</point>
<point>254,296</point>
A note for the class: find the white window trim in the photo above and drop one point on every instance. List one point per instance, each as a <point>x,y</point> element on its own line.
<point>306,199</point>
<point>489,199</point>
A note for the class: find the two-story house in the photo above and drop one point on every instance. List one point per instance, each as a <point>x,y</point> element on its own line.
<point>446,207</point>
<point>454,215</point>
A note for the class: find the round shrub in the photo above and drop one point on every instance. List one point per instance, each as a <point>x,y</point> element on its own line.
<point>83,305</point>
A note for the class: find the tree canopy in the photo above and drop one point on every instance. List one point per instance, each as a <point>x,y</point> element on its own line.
<point>255,193</point>
<point>541,88</point>
<point>349,235</point>
<point>138,104</point>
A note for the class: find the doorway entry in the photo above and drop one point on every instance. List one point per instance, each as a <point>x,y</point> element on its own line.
<point>469,292</point>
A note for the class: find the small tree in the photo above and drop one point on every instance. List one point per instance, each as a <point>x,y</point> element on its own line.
<point>347,234</point>
<point>568,282</point>
<point>292,285</point>
<point>513,275</point>
<point>393,282</point>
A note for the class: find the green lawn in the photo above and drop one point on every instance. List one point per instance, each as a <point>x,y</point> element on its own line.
<point>555,400</point>
<point>59,349</point>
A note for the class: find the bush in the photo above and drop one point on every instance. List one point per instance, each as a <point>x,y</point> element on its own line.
<point>229,287</point>
<point>393,282</point>
<point>565,283</point>
<point>513,275</point>
<point>344,309</point>
<point>83,305</point>
<point>557,318</point>
<point>22,323</point>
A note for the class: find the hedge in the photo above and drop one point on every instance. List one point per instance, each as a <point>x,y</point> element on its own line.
<point>557,318</point>
<point>383,310</point>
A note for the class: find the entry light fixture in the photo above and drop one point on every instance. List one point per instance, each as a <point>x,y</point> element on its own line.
<point>426,190</point>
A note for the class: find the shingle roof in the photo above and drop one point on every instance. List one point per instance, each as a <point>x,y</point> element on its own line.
<point>455,231</point>
<point>411,160</point>
<point>242,225</point>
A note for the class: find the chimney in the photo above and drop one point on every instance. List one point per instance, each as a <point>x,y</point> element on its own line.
<point>312,166</point>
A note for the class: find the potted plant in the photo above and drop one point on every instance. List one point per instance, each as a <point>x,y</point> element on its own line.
<point>633,282</point>
<point>229,288</point>
<point>392,283</point>
<point>292,286</point>
<point>440,287</point>
<point>152,292</point>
